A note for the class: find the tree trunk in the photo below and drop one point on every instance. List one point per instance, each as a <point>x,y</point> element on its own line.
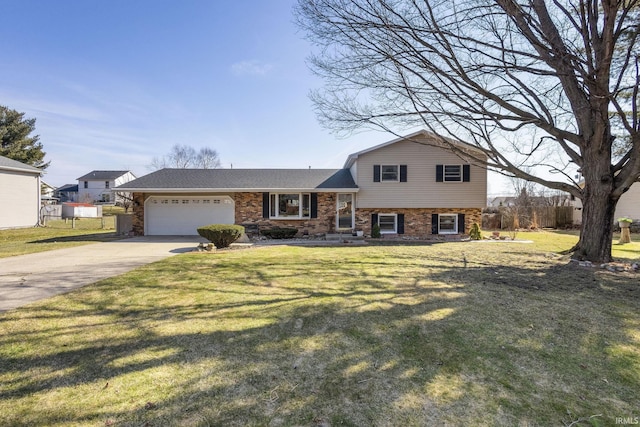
<point>596,232</point>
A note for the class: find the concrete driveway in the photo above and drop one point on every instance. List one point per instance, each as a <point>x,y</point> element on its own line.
<point>28,278</point>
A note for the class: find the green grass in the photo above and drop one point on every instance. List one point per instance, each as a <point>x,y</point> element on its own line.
<point>56,235</point>
<point>412,335</point>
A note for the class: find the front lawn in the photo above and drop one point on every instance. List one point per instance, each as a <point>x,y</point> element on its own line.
<point>57,234</point>
<point>413,335</point>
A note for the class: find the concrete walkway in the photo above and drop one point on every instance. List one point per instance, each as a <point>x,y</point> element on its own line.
<point>32,277</point>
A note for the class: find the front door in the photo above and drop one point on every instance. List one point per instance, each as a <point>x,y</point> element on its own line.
<point>345,211</point>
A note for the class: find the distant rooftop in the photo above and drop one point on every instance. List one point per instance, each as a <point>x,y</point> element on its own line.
<point>102,175</point>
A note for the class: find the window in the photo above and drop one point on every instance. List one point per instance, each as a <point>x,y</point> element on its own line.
<point>185,202</point>
<point>452,173</point>
<point>389,173</point>
<point>292,205</point>
<point>86,184</point>
<point>387,223</point>
<point>106,184</point>
<point>448,223</point>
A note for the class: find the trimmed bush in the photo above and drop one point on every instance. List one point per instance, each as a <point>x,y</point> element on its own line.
<point>221,235</point>
<point>475,232</point>
<point>280,233</point>
<point>375,231</point>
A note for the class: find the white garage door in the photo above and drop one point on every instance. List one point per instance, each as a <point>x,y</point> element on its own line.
<point>181,216</point>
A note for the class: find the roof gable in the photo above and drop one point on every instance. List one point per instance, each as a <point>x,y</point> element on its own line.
<point>421,136</point>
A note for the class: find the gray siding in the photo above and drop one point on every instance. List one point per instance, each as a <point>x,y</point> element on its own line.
<point>421,189</point>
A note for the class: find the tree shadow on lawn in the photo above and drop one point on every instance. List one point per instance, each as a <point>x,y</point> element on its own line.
<point>92,237</point>
<point>481,344</point>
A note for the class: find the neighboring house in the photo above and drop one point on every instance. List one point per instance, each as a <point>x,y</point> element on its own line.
<point>628,206</point>
<point>501,201</point>
<point>405,186</point>
<point>19,193</point>
<point>67,193</point>
<point>47,194</point>
<point>98,186</point>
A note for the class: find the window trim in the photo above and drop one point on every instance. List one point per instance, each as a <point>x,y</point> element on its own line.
<point>395,223</point>
<point>275,209</point>
<point>460,173</point>
<point>455,223</point>
<point>397,166</point>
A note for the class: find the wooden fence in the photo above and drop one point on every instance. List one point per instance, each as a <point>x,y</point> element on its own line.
<point>529,217</point>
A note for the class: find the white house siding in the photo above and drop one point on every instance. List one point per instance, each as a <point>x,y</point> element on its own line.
<point>421,189</point>
<point>20,195</point>
<point>96,188</point>
<point>629,204</point>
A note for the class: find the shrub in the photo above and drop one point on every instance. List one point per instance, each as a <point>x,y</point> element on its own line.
<point>475,232</point>
<point>280,233</point>
<point>375,231</point>
<point>221,235</point>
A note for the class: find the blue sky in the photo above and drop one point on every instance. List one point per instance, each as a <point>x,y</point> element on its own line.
<point>114,83</point>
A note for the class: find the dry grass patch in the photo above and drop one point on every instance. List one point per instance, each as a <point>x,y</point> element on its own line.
<point>443,334</point>
<point>56,235</point>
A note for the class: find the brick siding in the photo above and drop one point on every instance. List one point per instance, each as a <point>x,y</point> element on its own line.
<point>248,212</point>
<point>417,221</point>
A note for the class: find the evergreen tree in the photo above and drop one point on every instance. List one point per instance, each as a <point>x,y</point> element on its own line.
<point>15,140</point>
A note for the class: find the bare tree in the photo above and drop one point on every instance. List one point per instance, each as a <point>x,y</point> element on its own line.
<point>208,158</point>
<point>536,85</point>
<point>182,157</point>
<point>124,199</point>
<point>185,157</point>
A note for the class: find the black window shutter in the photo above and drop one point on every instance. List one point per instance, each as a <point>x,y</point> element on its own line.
<point>400,223</point>
<point>461,223</point>
<point>374,219</point>
<point>439,174</point>
<point>434,223</point>
<point>376,173</point>
<point>265,205</point>
<point>314,205</point>
<point>466,173</point>
<point>403,173</point>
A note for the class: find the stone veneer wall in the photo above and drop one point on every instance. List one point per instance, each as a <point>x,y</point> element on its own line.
<point>417,221</point>
<point>138,214</point>
<point>249,212</point>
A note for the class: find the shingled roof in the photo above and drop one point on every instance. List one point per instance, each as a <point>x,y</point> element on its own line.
<point>102,175</point>
<point>242,180</point>
<point>14,165</point>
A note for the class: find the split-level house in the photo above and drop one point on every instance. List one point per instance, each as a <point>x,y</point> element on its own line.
<point>99,186</point>
<point>410,186</point>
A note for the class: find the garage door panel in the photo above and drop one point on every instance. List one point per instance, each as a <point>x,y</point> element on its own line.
<point>183,215</point>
